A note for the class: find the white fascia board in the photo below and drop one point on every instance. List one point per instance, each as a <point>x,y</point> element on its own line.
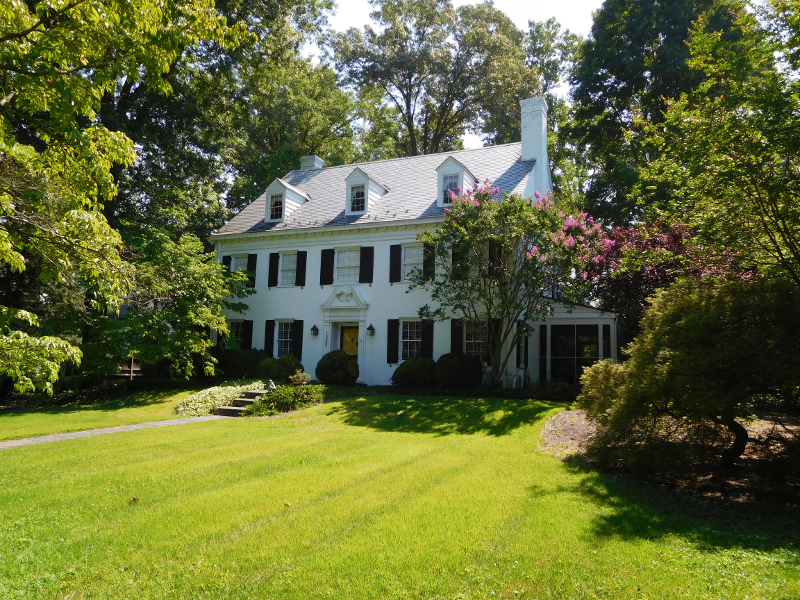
<point>327,229</point>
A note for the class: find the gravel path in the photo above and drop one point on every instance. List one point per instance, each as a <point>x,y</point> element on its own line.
<point>82,434</point>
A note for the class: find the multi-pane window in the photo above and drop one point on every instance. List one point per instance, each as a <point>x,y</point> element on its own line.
<point>237,332</point>
<point>357,198</point>
<point>288,268</point>
<point>285,330</point>
<point>239,263</point>
<point>412,259</point>
<point>449,183</point>
<point>476,339</point>
<point>276,206</point>
<point>348,262</point>
<point>411,339</point>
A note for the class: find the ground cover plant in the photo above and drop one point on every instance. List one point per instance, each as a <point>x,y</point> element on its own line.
<point>91,412</point>
<point>205,402</point>
<point>285,398</point>
<point>389,496</point>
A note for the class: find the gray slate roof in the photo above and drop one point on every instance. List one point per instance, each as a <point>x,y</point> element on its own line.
<point>412,184</point>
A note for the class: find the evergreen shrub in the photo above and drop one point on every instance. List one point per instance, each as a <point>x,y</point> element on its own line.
<point>415,372</point>
<point>459,371</point>
<point>285,398</point>
<point>279,369</point>
<point>237,364</point>
<point>337,367</point>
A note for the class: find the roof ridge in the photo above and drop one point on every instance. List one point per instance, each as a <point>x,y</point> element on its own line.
<point>399,158</point>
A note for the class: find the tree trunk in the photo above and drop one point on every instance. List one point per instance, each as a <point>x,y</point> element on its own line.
<point>741,437</point>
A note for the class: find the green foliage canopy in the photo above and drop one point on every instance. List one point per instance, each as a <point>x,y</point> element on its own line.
<point>730,148</point>
<point>57,60</point>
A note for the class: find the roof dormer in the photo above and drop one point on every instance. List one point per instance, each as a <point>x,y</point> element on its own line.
<point>282,200</point>
<point>362,192</point>
<point>452,176</point>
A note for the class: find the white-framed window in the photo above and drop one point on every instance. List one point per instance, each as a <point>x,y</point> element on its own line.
<point>285,331</point>
<point>239,263</point>
<point>358,201</point>
<point>412,259</point>
<point>237,332</point>
<point>449,183</point>
<point>276,207</point>
<point>411,339</point>
<point>288,268</point>
<point>476,339</point>
<point>348,263</point>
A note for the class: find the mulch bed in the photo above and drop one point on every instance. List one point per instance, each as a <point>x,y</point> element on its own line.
<point>758,475</point>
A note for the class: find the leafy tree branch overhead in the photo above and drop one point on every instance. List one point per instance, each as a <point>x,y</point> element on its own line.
<point>57,60</point>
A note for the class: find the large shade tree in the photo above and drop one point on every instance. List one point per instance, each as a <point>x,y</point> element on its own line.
<point>444,70</point>
<point>633,62</point>
<point>730,148</point>
<point>57,60</point>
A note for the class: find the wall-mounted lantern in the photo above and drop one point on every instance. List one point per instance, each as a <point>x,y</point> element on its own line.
<point>371,330</point>
<point>314,331</point>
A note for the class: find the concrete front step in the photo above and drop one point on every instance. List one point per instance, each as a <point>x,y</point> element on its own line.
<point>230,411</point>
<point>239,405</point>
<point>243,402</point>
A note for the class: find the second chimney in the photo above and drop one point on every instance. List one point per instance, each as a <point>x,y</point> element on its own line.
<point>534,144</point>
<point>309,163</point>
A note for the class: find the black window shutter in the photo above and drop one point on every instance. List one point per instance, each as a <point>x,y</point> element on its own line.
<point>427,338</point>
<point>269,338</point>
<point>495,333</point>
<point>522,346</point>
<point>429,262</point>
<point>326,266</point>
<point>297,339</point>
<point>542,352</point>
<point>459,271</point>
<point>252,261</point>
<point>247,335</point>
<point>494,257</point>
<point>226,260</point>
<point>366,265</point>
<point>457,336</point>
<point>274,261</point>
<point>300,274</point>
<point>393,341</point>
<point>395,258</point>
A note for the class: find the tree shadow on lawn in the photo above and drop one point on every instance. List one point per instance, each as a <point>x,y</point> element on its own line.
<point>441,416</point>
<point>129,400</point>
<point>633,510</point>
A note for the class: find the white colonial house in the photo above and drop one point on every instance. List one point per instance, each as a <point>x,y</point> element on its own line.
<point>332,249</point>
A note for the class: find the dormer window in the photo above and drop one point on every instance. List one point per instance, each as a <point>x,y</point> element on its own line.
<point>449,183</point>
<point>362,192</point>
<point>357,199</point>
<point>276,207</point>
<point>453,176</point>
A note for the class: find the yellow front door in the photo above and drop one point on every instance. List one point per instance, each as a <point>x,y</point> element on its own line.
<point>350,340</point>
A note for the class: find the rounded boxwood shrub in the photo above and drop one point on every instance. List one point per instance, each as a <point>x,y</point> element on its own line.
<point>279,369</point>
<point>415,372</point>
<point>456,370</point>
<point>337,367</point>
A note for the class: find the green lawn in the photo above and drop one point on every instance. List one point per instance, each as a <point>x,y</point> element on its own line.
<point>139,407</point>
<point>385,497</point>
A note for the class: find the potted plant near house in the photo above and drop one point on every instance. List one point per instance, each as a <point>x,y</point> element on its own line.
<point>300,377</point>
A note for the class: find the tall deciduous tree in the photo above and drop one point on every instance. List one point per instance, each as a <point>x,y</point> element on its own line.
<point>444,69</point>
<point>731,147</point>
<point>56,62</point>
<point>634,61</point>
<point>498,260</point>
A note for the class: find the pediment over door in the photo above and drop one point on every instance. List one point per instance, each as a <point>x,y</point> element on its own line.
<point>345,297</point>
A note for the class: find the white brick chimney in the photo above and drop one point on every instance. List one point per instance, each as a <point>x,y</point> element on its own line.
<point>534,145</point>
<point>309,163</point>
